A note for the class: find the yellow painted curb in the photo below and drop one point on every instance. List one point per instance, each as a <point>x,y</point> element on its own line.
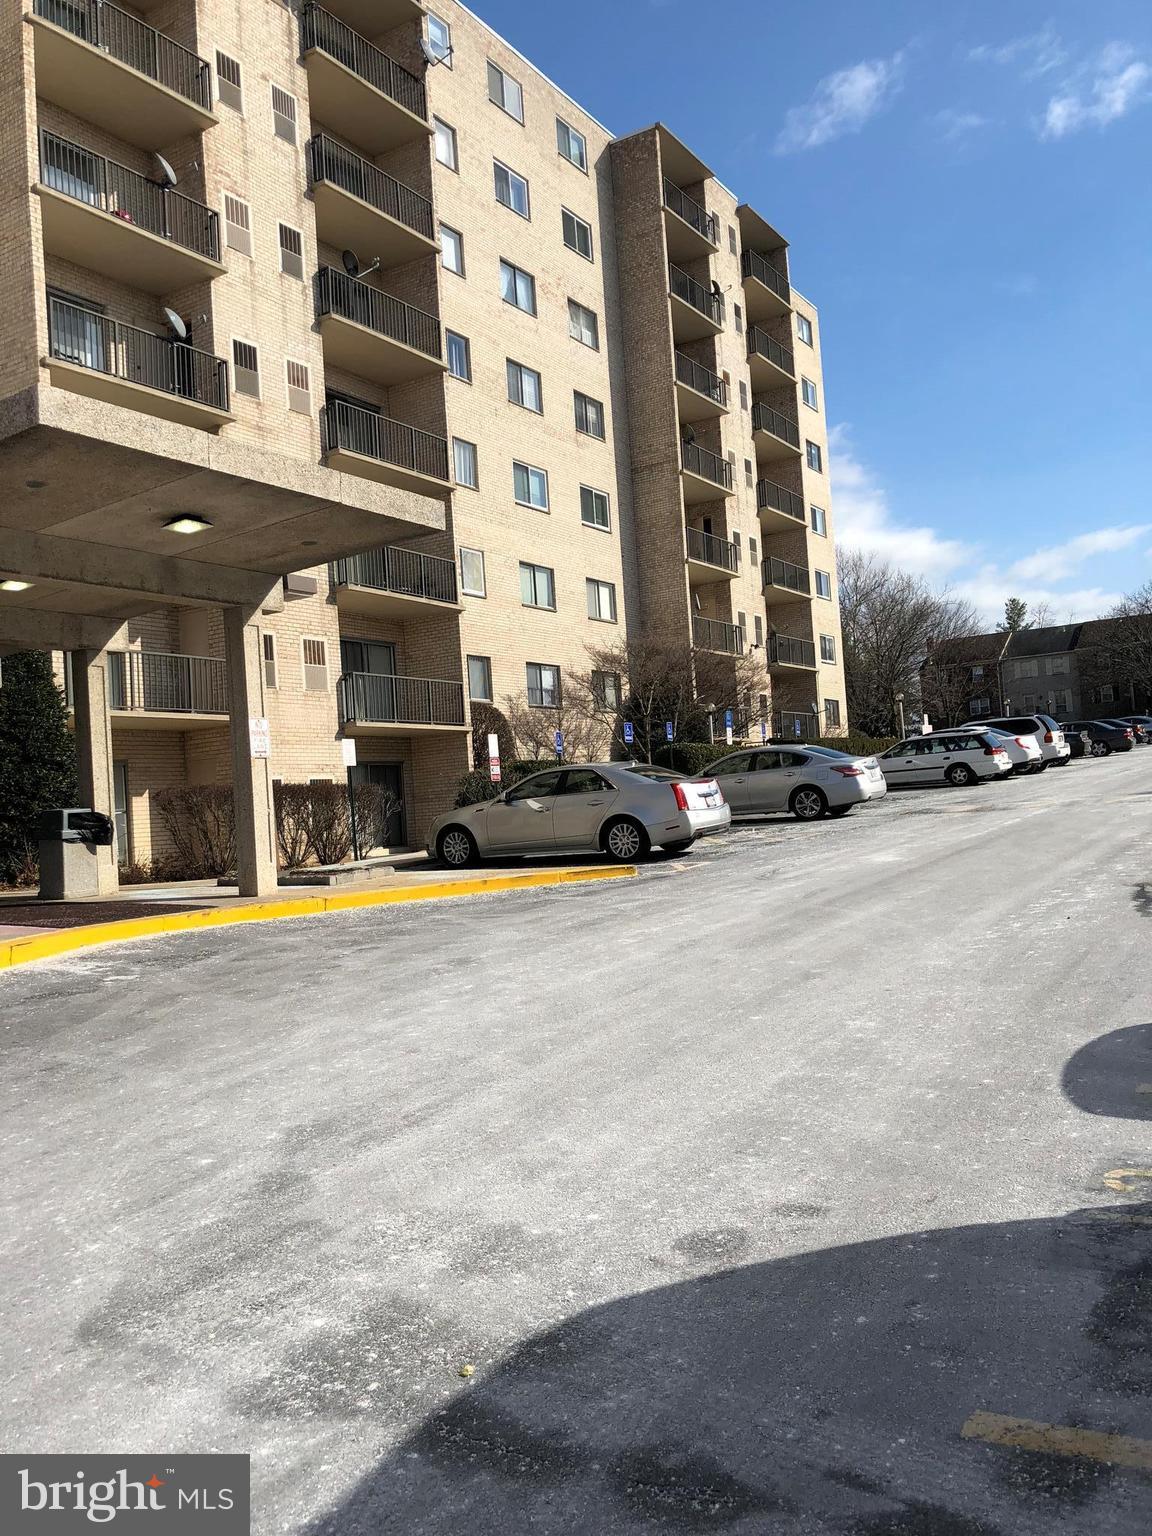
<point>63,941</point>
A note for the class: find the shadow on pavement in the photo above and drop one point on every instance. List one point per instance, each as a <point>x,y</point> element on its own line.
<point>821,1392</point>
<point>1113,1075</point>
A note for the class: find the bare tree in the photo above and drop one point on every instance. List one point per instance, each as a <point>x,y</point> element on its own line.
<point>1118,649</point>
<point>585,731</point>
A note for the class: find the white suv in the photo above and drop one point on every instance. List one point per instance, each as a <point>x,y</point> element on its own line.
<point>1049,737</point>
<point>946,757</point>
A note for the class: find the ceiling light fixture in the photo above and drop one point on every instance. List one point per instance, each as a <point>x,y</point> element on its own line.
<point>11,585</point>
<point>187,522</point>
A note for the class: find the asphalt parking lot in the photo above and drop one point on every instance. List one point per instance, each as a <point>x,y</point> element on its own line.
<point>771,1191</point>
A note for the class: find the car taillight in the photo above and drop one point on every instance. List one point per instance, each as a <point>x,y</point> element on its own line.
<point>991,751</point>
<point>1020,742</point>
<point>1128,734</point>
<point>681,797</point>
<point>849,771</point>
<point>1048,736</point>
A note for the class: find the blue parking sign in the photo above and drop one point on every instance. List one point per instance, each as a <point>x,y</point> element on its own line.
<point>629,733</point>
<point>727,719</point>
<point>559,744</point>
<point>668,731</point>
<point>763,731</point>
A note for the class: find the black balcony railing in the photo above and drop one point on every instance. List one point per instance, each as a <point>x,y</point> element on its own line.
<point>694,293</point>
<point>377,698</point>
<point>765,419</point>
<point>403,571</point>
<point>339,294</point>
<point>160,682</point>
<point>331,162</point>
<point>379,437</point>
<point>782,573</point>
<point>786,651</point>
<point>712,550</point>
<point>706,464</point>
<point>688,209</point>
<point>81,336</point>
<point>701,379</point>
<point>320,29</point>
<point>789,726</point>
<point>716,635</point>
<point>760,344</point>
<point>770,496</point>
<point>113,188</point>
<point>134,43</point>
<point>754,265</point>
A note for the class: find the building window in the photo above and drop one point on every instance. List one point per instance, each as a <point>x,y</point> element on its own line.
<point>299,384</point>
<point>480,678</point>
<point>732,246</point>
<point>595,508</point>
<point>543,685</point>
<point>978,674</point>
<point>980,706</point>
<point>589,415</point>
<point>572,145</point>
<point>827,648</point>
<point>758,627</point>
<point>472,579</point>
<point>452,250</point>
<point>511,190</point>
<point>804,329</point>
<point>808,393</point>
<point>749,473</point>
<point>447,149</point>
<point>237,225</point>
<point>530,486</point>
<point>583,325</point>
<point>315,659</point>
<point>268,648</point>
<point>738,317</point>
<point>743,395</point>
<point>606,690</point>
<point>752,549</point>
<point>1056,665</point>
<point>518,287</point>
<point>823,584</point>
<point>229,91</point>
<point>831,713</point>
<point>440,39</point>
<point>291,251</point>
<point>525,387</point>
<point>577,234</point>
<point>245,368</point>
<point>464,460</point>
<point>459,356</point>
<point>505,92</point>
<point>819,521</point>
<point>537,585</point>
<point>814,456</point>
<point>601,600</point>
<point>283,115</point>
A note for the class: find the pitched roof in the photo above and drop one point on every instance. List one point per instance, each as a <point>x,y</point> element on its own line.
<point>1044,642</point>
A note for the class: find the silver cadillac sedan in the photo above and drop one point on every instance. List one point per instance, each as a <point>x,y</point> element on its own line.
<point>620,809</point>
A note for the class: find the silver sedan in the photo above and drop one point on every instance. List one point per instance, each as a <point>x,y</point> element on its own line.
<point>809,781</point>
<point>620,809</point>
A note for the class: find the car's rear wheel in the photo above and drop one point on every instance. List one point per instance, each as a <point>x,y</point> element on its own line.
<point>1100,749</point>
<point>808,803</point>
<point>960,774</point>
<point>456,847</point>
<point>625,840</point>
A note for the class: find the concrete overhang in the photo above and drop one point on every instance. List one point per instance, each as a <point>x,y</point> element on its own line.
<point>678,162</point>
<point>371,354</point>
<point>345,220</point>
<point>756,234</point>
<point>355,109</point>
<point>103,242</point>
<point>372,18</point>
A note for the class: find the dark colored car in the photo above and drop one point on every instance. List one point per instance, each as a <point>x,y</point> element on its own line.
<point>1107,736</point>
<point>1079,741</point>
<point>1142,725</point>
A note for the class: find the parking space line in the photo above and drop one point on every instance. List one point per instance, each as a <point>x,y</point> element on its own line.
<point>1059,1440</point>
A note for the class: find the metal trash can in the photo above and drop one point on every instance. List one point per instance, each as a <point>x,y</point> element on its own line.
<point>69,840</point>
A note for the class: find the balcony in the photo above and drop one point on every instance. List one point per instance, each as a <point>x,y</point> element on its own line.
<point>365,443</point>
<point>696,312</point>
<point>705,475</point>
<point>372,18</point>
<point>372,334</point>
<point>691,230</point>
<point>123,365</point>
<point>113,70</point>
<point>771,365</point>
<point>395,584</point>
<point>700,393</point>
<point>715,635</point>
<point>381,704</point>
<point>361,207</point>
<point>357,91</point>
<point>776,436</point>
<point>766,289</point>
<point>160,690</point>
<point>785,582</point>
<point>786,654</point>
<point>102,216</point>
<point>779,509</point>
<point>710,558</point>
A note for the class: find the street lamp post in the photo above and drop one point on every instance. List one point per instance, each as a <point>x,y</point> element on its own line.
<point>900,707</point>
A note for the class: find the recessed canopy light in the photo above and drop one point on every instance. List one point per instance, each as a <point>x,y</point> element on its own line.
<point>11,585</point>
<point>188,522</point>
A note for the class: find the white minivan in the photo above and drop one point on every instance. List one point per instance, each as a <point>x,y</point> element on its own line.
<point>946,757</point>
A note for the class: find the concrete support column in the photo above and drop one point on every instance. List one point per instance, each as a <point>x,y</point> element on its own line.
<point>90,696</point>
<point>251,776</point>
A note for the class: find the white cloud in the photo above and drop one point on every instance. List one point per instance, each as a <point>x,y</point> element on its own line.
<point>1060,561</point>
<point>1103,90</point>
<point>953,126</point>
<point>841,103</point>
<point>1039,53</point>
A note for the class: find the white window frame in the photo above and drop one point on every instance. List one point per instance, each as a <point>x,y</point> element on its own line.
<point>585,522</point>
<point>813,451</point>
<point>438,123</point>
<point>473,484</point>
<point>804,329</point>
<point>322,642</point>
<point>269,662</point>
<point>464,378</point>
<point>819,522</point>
<point>513,177</point>
<point>595,591</point>
<point>826,576</point>
<point>565,133</point>
<point>808,387</point>
<point>243,341</point>
<point>532,469</point>
<point>444,229</point>
<point>530,565</point>
<point>467,549</point>
<point>830,642</point>
<point>501,100</point>
<point>444,54</point>
<point>580,225</point>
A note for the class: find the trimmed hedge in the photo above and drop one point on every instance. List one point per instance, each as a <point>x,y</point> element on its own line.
<point>474,789</point>
<point>692,756</point>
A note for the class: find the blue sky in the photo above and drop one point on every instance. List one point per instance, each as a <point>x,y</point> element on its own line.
<point>966,188</point>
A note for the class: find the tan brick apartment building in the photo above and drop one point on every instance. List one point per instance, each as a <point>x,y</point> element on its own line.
<point>481,383</point>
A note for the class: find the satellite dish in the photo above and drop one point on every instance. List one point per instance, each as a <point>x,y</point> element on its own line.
<point>431,57</point>
<point>688,434</point>
<point>177,326</point>
<point>351,264</point>
<point>696,600</point>
<point>167,174</point>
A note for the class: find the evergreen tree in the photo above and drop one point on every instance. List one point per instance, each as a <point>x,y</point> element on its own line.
<point>37,756</point>
<point>1015,616</point>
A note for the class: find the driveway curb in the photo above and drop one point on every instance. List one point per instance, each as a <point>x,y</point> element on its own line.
<point>63,941</point>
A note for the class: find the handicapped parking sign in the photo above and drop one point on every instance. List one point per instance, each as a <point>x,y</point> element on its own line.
<point>629,733</point>
<point>668,731</point>
<point>559,744</point>
<point>728,726</point>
